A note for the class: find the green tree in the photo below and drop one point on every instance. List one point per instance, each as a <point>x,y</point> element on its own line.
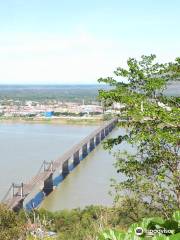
<point>11,226</point>
<point>151,182</point>
<point>154,228</point>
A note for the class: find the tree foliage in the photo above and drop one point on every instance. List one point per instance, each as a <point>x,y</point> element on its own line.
<point>11,225</point>
<point>78,224</point>
<point>152,172</point>
<point>154,228</point>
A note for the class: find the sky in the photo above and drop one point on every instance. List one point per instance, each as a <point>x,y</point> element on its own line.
<point>79,41</point>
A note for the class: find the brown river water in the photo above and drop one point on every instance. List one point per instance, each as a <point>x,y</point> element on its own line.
<point>24,146</point>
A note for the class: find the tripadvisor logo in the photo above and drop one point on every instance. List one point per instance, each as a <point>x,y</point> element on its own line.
<point>139,231</point>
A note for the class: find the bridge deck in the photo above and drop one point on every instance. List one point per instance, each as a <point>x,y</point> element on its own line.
<point>27,189</point>
<point>58,163</point>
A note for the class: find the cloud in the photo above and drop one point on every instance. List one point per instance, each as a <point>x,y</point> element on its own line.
<point>79,57</point>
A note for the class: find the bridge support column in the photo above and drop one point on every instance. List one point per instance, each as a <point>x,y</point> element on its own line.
<point>110,127</point>
<point>65,168</point>
<point>97,139</point>
<point>19,206</point>
<point>102,134</point>
<point>106,131</point>
<point>48,185</point>
<point>84,150</point>
<point>76,159</point>
<point>92,144</point>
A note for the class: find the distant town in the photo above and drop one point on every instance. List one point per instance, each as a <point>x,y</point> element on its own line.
<point>53,109</point>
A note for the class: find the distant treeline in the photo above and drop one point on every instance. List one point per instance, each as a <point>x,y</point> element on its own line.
<point>74,93</point>
<point>66,93</point>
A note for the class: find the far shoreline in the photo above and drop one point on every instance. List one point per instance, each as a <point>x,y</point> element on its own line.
<point>77,121</point>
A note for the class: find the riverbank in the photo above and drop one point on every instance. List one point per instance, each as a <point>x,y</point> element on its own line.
<point>53,120</point>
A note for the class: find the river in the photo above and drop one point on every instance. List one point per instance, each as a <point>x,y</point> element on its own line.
<point>24,146</point>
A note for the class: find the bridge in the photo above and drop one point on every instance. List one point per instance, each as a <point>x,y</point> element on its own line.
<point>17,193</point>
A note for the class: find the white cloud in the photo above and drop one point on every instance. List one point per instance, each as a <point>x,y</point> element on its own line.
<point>77,58</point>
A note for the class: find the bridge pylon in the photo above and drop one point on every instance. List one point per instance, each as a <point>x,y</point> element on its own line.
<point>19,188</point>
<point>48,166</point>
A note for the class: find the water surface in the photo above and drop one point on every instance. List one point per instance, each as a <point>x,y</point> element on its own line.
<point>24,147</point>
<point>89,183</point>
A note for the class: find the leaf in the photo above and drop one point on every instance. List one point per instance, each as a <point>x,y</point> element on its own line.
<point>153,222</point>
<point>175,237</point>
<point>170,225</point>
<point>176,216</point>
<point>160,237</point>
<point>111,235</point>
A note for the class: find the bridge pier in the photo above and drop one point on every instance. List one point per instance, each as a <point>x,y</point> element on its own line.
<point>113,125</point>
<point>97,139</point>
<point>76,159</point>
<point>110,128</point>
<point>19,206</point>
<point>48,185</point>
<point>102,134</point>
<point>65,168</point>
<point>91,147</point>
<point>106,131</point>
<point>84,150</point>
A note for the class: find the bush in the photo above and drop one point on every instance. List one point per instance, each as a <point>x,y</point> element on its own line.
<point>11,225</point>
<point>156,228</point>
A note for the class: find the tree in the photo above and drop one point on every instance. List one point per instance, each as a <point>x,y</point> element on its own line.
<point>154,228</point>
<point>11,226</point>
<point>152,172</point>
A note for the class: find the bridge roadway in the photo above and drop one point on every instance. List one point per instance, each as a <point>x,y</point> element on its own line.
<point>15,196</point>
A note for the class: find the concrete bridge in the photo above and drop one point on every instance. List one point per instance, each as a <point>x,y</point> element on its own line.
<point>17,193</point>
